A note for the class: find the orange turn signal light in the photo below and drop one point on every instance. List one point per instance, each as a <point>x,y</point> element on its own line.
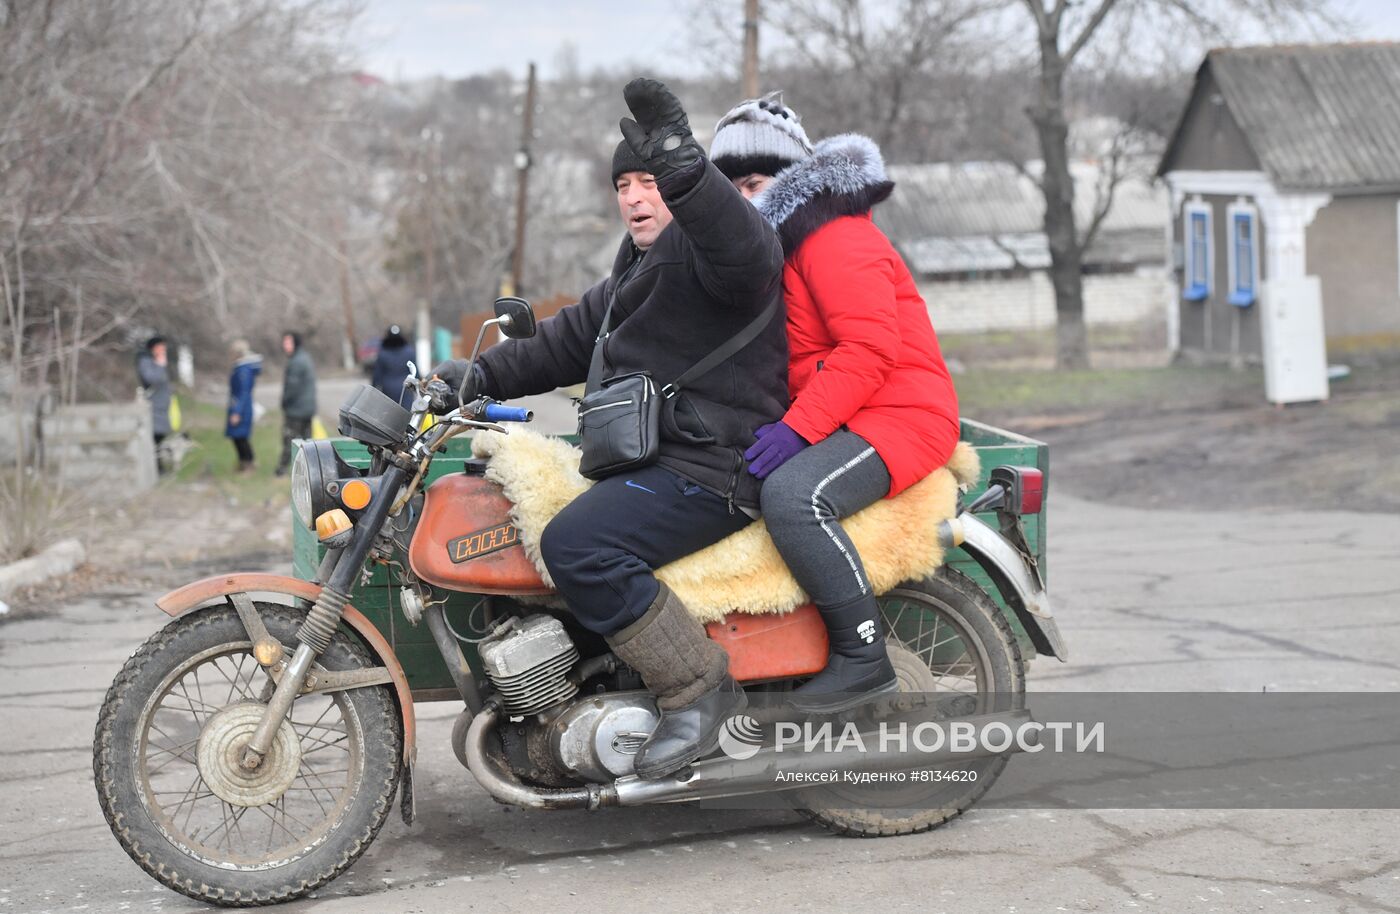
<point>333,523</point>
<point>356,494</point>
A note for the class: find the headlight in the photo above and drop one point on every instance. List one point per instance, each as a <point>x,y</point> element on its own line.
<point>317,475</point>
<point>301,489</point>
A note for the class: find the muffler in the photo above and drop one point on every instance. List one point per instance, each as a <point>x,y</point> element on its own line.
<point>766,770</point>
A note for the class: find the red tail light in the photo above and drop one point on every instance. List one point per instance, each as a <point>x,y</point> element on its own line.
<point>1032,491</point>
<point>1025,488</point>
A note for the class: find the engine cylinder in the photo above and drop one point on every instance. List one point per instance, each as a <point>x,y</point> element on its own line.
<point>528,661</point>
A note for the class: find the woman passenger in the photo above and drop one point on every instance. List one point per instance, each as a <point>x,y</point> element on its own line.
<point>873,408</point>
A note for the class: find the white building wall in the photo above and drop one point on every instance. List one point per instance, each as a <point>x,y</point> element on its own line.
<point>1027,303</point>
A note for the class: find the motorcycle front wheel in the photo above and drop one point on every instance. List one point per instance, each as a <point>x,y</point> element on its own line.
<point>165,762</point>
<point>947,639</point>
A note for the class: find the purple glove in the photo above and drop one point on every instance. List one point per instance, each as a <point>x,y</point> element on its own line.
<point>777,444</point>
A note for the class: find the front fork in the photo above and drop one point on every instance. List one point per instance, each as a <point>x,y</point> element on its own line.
<point>339,571</point>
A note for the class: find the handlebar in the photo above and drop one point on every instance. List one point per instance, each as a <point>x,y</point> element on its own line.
<point>497,412</point>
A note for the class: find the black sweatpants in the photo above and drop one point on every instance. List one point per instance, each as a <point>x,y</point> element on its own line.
<point>292,428</point>
<point>602,548</point>
<point>244,447</point>
<point>803,503</point>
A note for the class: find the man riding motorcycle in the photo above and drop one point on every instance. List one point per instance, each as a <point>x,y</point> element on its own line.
<point>698,266</point>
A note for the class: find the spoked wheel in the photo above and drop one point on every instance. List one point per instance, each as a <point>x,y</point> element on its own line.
<point>169,742</point>
<point>948,638</point>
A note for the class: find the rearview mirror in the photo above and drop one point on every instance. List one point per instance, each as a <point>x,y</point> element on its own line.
<point>516,319</point>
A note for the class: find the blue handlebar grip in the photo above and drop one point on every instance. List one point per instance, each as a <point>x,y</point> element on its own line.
<point>496,412</point>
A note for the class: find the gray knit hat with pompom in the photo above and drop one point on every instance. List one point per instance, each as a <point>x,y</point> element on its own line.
<point>760,136</point>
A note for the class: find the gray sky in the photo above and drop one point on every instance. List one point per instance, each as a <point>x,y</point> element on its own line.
<point>416,38</point>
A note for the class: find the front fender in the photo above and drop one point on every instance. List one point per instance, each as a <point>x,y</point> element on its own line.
<point>193,596</point>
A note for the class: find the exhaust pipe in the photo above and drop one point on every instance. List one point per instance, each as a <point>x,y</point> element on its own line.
<point>506,787</point>
<point>713,778</point>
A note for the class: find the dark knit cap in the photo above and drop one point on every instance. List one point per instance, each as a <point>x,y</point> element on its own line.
<point>625,160</point>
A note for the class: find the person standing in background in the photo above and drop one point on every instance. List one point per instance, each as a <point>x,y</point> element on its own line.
<point>298,397</point>
<point>239,428</point>
<point>391,366</point>
<point>153,369</point>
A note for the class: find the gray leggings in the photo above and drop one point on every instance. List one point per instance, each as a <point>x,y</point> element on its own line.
<point>804,499</point>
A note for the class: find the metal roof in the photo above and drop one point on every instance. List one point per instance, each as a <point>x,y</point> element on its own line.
<point>1318,117</point>
<point>974,216</point>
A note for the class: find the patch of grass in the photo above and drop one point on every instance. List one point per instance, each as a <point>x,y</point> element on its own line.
<point>214,460</point>
<point>1000,393</point>
<point>975,348</point>
<point>37,513</point>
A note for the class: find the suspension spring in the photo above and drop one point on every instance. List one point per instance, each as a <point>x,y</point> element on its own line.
<point>320,625</point>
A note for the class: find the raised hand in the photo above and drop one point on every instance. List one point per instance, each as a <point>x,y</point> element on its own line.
<point>660,135</point>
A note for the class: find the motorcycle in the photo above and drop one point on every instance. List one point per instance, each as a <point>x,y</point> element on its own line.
<point>251,750</point>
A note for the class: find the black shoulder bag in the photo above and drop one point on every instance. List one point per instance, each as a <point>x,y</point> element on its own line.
<point>619,420</point>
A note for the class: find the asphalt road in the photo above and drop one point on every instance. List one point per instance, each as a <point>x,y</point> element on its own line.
<point>1147,600</point>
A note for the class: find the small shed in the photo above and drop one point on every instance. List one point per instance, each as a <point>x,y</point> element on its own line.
<point>1284,178</point>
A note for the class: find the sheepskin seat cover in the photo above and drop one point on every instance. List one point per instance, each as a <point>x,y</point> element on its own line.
<point>897,538</point>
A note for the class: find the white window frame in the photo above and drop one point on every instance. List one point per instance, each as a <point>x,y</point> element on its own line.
<point>1188,213</point>
<point>1242,208</point>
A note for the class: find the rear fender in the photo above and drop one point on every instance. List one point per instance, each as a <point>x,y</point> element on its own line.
<point>193,596</point>
<point>1019,586</point>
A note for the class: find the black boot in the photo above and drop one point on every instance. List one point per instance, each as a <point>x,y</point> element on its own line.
<point>686,734</point>
<point>858,667</point>
<point>689,675</point>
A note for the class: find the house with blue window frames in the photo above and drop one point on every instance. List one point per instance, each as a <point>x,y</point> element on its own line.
<point>1284,185</point>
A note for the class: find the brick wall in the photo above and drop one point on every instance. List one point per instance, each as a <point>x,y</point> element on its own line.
<point>1027,303</point>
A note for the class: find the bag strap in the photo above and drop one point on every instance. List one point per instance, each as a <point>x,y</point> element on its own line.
<point>595,362</point>
<point>728,349</point>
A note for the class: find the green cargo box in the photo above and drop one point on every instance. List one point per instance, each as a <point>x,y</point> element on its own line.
<point>378,598</point>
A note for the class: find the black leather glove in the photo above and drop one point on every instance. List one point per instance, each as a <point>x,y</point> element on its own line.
<point>452,372</point>
<point>660,135</point>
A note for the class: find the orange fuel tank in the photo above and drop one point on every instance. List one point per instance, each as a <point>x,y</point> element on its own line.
<point>466,540</point>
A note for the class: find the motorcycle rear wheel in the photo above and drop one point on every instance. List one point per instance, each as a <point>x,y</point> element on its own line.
<point>945,636</point>
<point>172,722</point>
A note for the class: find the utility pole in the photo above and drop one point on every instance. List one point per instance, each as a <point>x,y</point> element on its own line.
<point>422,344</point>
<point>522,171</point>
<point>750,48</point>
<point>352,339</point>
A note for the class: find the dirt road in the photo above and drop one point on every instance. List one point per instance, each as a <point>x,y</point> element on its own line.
<point>1204,439</point>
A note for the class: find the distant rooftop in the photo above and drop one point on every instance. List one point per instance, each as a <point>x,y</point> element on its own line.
<point>983,216</point>
<point>1317,117</point>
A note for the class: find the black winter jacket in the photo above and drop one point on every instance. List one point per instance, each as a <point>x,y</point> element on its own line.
<point>707,275</point>
<point>299,386</point>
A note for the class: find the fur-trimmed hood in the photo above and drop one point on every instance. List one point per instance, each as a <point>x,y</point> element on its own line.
<point>844,176</point>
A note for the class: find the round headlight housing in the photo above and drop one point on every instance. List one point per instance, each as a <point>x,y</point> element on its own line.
<point>317,475</point>
<point>301,489</point>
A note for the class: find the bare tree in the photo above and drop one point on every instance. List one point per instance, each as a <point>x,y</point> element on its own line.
<point>169,164</point>
<point>178,160</point>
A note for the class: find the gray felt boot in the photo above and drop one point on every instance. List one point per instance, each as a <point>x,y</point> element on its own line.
<point>689,675</point>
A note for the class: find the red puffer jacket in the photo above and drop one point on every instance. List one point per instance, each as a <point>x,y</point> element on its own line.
<point>862,352</point>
